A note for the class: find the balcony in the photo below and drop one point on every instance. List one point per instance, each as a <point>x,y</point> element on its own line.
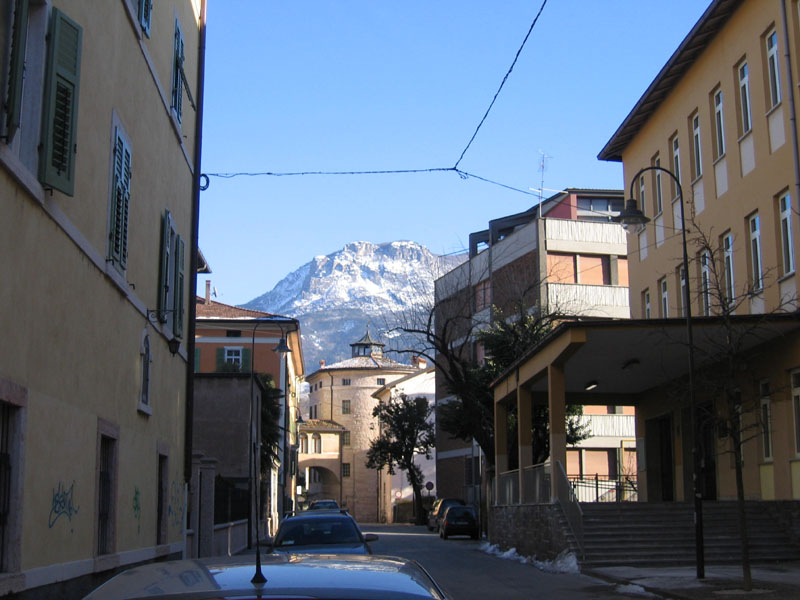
<point>563,235</point>
<point>589,300</point>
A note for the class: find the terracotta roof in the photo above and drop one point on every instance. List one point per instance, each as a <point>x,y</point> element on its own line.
<point>218,310</point>
<point>693,45</point>
<point>320,425</point>
<point>367,362</point>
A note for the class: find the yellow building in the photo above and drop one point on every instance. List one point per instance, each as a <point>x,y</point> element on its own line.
<point>719,117</point>
<point>98,157</point>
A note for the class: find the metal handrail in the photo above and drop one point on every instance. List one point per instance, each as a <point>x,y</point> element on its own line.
<point>570,505</point>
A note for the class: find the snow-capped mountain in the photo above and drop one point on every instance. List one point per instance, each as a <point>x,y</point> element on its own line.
<point>337,296</point>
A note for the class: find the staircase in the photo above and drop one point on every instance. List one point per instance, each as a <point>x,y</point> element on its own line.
<point>651,534</point>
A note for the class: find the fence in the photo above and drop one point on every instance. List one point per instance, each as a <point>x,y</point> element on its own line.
<point>605,489</point>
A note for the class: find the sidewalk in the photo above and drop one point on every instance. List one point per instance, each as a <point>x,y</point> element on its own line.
<point>777,581</point>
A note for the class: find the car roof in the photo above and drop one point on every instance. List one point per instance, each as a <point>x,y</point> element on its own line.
<point>312,576</point>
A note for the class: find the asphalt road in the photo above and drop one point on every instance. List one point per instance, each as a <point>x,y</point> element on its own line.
<point>467,572</point>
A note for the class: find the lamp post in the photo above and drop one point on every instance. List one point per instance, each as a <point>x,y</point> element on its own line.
<point>630,217</point>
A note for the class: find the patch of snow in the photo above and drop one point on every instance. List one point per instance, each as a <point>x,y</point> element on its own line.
<point>566,562</point>
<point>634,590</point>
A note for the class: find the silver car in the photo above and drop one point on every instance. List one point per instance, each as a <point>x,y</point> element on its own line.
<point>304,576</point>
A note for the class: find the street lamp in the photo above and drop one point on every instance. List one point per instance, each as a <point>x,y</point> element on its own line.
<point>632,219</point>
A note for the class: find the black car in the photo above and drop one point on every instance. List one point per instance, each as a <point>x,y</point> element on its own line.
<point>437,512</point>
<point>460,520</point>
<point>321,532</point>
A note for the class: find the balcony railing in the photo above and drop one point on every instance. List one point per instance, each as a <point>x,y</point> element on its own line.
<point>571,230</point>
<point>589,300</point>
<point>605,489</point>
<point>623,426</point>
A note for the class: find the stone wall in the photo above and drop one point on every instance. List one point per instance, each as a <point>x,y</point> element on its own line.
<point>533,529</point>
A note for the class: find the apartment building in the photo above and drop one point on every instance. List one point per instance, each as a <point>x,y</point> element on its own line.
<point>564,256</point>
<point>99,160</point>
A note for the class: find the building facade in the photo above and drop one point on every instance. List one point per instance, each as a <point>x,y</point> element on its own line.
<point>99,161</point>
<point>563,256</point>
<point>229,341</point>
<point>720,117</point>
<point>340,428</point>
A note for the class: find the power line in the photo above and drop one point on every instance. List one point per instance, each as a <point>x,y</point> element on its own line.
<point>502,83</point>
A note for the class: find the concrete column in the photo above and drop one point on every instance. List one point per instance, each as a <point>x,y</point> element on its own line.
<point>524,438</point>
<point>500,444</point>
<point>558,424</point>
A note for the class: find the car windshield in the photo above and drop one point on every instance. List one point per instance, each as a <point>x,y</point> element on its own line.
<point>315,532</point>
<point>460,512</point>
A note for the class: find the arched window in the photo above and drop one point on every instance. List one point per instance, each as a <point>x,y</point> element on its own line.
<point>304,444</point>
<point>316,443</point>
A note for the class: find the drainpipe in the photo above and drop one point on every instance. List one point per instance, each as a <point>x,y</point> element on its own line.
<point>792,110</point>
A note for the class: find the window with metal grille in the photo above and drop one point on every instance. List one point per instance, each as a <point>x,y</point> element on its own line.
<point>346,438</point>
<point>6,469</point>
<point>345,407</point>
<point>345,469</point>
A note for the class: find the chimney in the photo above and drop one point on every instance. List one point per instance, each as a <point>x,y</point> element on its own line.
<point>322,363</point>
<point>419,362</point>
<point>208,291</point>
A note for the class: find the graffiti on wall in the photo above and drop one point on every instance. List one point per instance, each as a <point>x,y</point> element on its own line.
<point>63,503</point>
<point>137,508</point>
<point>176,507</point>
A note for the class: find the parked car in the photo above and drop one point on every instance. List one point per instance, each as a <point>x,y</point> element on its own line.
<point>324,505</point>
<point>321,532</point>
<point>460,520</point>
<point>302,576</point>
<point>437,512</point>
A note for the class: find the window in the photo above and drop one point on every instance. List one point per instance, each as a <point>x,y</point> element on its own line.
<point>345,438</point>
<point>345,407</point>
<point>755,251</point>
<point>120,200</point>
<point>646,304</point>
<point>676,164</point>
<point>303,444</point>
<point>162,478</point>
<point>171,276</point>
<point>787,248</point>
<point>727,264</point>
<point>316,444</point>
<point>145,358</point>
<point>345,469</point>
<point>235,333</point>
<point>145,12</point>
<point>664,298</point>
<point>795,376</point>
<point>682,287</point>
<point>11,451</point>
<point>345,382</point>
<point>719,125</point>
<point>60,104</point>
<point>705,282</point>
<point>106,488</point>
<point>483,296</point>
<point>18,33</point>
<point>773,69</point>
<point>659,194</point>
<point>697,153</point>
<point>177,73</point>
<point>744,97</point>
<point>381,381</point>
<point>766,427</point>
<point>642,200</point>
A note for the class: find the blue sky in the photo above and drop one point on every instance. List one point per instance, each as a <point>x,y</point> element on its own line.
<point>363,85</point>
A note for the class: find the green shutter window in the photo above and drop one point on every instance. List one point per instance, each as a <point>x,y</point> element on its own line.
<point>19,37</point>
<point>60,104</point>
<point>246,360</point>
<point>196,359</point>
<point>220,359</point>
<point>177,322</point>
<point>177,73</point>
<point>120,202</point>
<point>164,271</point>
<point>145,11</point>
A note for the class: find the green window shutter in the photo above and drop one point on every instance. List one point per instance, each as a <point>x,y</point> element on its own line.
<point>196,359</point>
<point>163,276</point>
<point>177,68</point>
<point>245,360</point>
<point>145,12</point>
<point>177,322</point>
<point>220,359</point>
<point>19,37</point>
<point>60,104</point>
<point>120,203</point>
